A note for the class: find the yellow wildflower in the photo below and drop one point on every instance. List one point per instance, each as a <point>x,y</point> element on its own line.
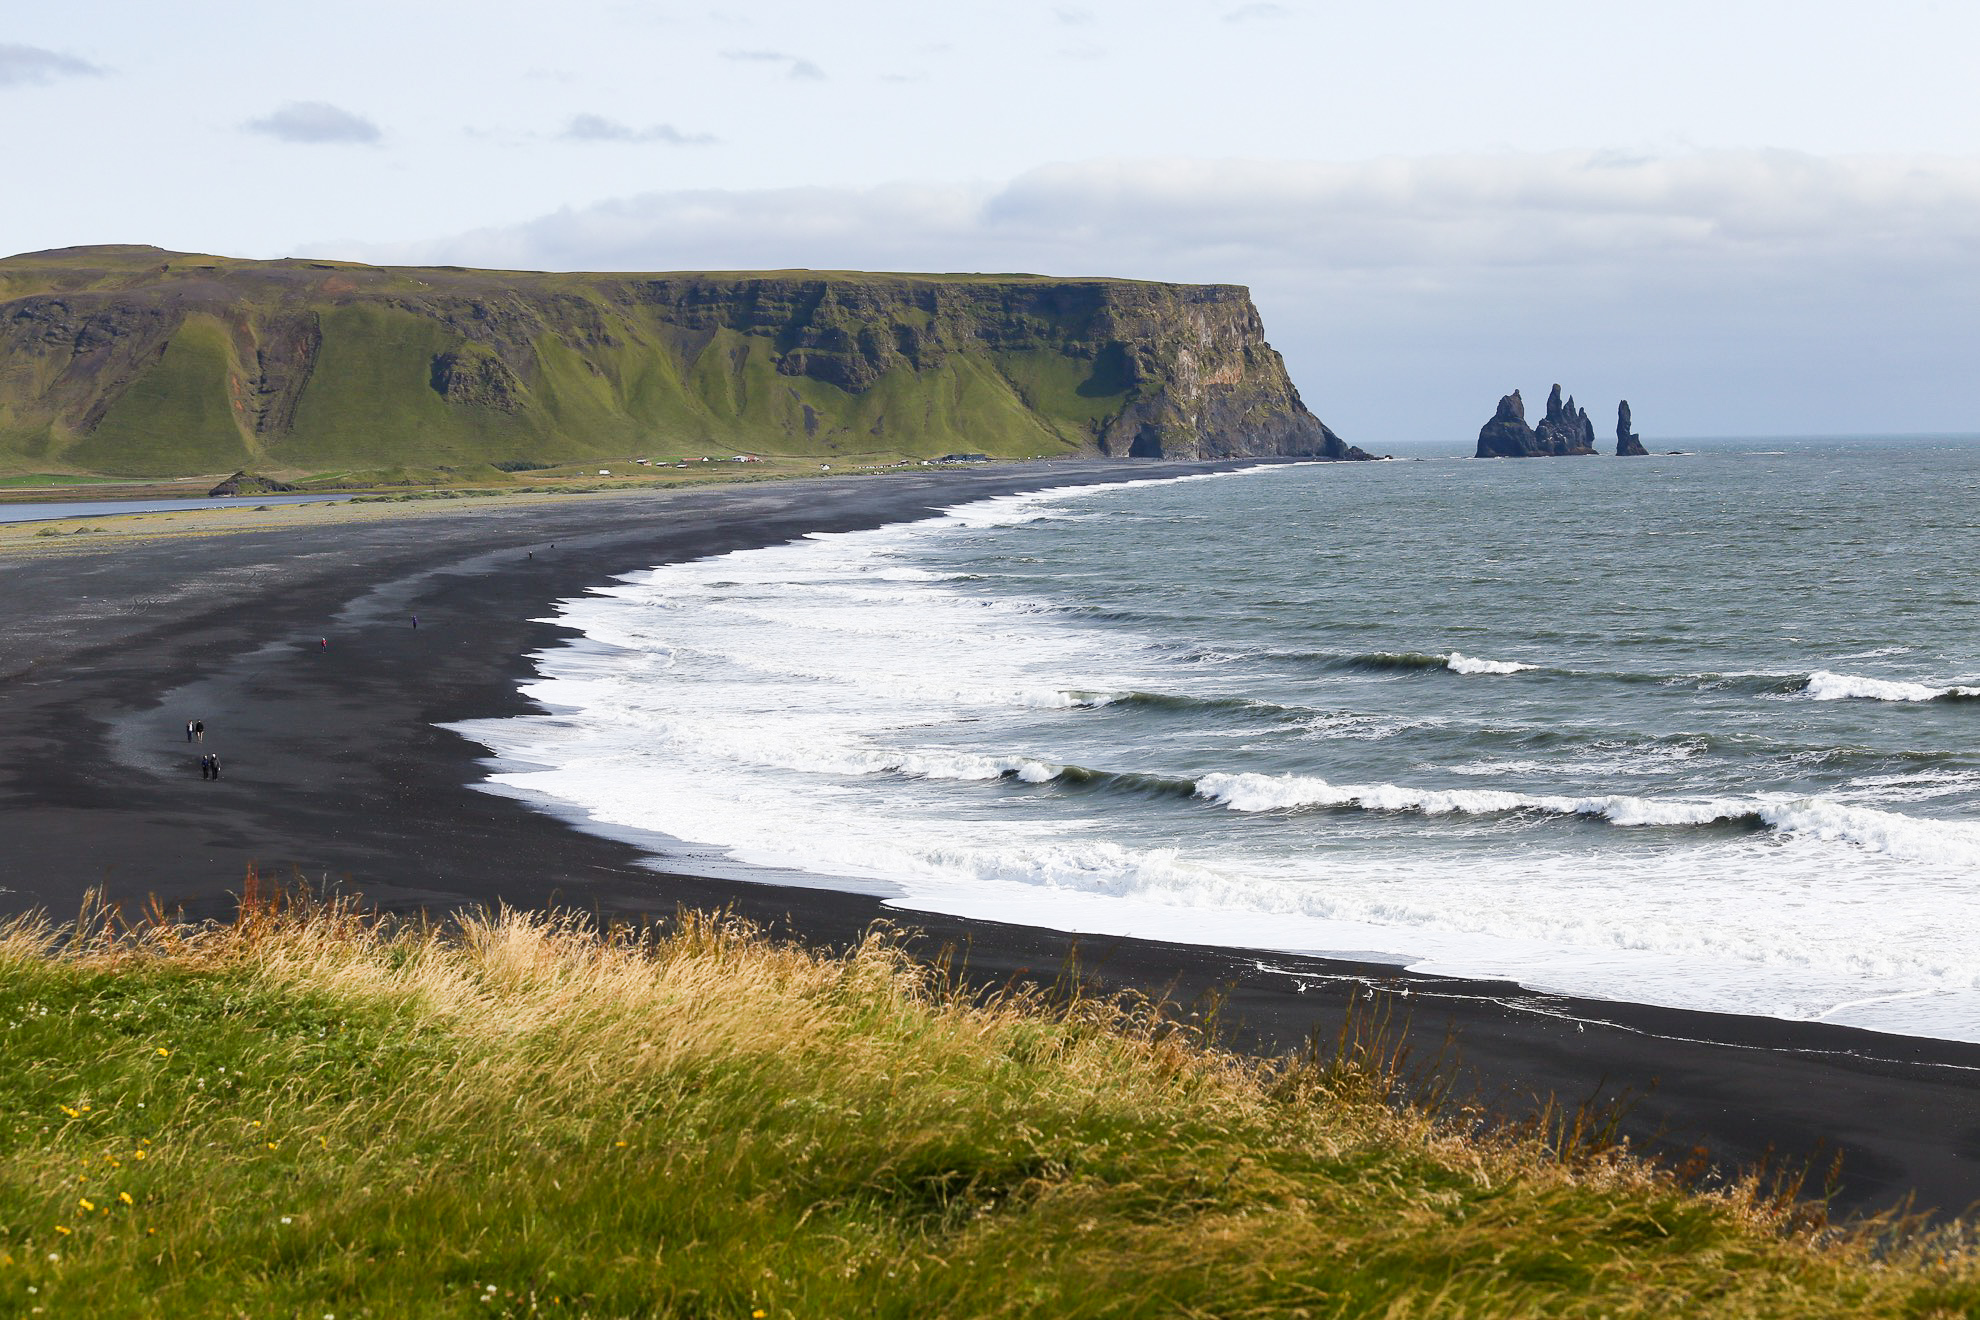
<point>86,1203</point>
<point>62,1229</point>
<point>138,1154</point>
<point>72,1113</point>
<point>125,1197</point>
<point>164,1053</point>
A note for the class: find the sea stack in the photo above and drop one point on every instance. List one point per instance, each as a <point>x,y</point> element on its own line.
<point>1507,435</point>
<point>1565,429</point>
<point>1628,443</point>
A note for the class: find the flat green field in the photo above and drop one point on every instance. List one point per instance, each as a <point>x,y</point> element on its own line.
<point>36,480</point>
<point>311,1113</point>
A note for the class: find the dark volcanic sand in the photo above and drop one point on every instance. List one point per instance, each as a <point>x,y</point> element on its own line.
<point>333,767</point>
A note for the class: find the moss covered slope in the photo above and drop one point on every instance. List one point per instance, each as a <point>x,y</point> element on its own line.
<point>136,361</point>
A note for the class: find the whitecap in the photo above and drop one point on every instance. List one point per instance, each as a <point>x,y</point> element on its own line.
<point>1459,663</point>
<point>1824,685</point>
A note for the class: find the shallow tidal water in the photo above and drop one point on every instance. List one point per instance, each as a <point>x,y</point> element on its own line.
<point>1696,730</point>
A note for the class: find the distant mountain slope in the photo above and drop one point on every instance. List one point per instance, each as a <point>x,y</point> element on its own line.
<point>140,362</point>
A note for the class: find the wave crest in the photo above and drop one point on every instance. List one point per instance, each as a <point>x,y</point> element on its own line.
<point>1910,838</point>
<point>1825,685</point>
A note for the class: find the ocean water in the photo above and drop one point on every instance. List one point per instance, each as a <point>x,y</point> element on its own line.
<point>1701,731</point>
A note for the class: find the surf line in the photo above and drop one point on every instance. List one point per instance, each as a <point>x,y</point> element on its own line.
<point>1539,1004</point>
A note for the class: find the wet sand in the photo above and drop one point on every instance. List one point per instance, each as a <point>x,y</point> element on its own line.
<point>333,768</point>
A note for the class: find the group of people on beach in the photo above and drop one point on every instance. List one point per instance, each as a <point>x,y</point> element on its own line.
<point>209,764</point>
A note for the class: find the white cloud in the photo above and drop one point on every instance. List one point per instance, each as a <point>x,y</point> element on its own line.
<point>315,122</point>
<point>597,128</point>
<point>1409,218</point>
<point>1720,291</point>
<point>1248,13</point>
<point>794,66</point>
<point>22,66</point>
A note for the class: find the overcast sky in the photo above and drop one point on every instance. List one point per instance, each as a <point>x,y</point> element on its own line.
<point>1747,216</point>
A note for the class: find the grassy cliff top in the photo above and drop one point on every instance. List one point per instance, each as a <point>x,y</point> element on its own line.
<point>122,266</point>
<point>312,1112</point>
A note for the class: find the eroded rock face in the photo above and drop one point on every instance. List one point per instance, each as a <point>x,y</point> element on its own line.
<point>479,379</point>
<point>1628,443</point>
<point>1507,435</point>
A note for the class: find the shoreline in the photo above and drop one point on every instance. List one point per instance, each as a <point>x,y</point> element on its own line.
<point>335,769</point>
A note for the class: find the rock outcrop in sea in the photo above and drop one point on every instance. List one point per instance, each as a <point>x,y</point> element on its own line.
<point>1507,435</point>
<point>135,361</point>
<point>1628,443</point>
<point>1565,430</point>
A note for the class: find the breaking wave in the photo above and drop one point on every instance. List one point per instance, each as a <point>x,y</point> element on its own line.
<point>1822,685</point>
<point>1911,838</point>
<point>1406,661</point>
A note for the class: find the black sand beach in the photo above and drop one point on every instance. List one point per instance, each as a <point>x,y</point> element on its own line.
<point>333,767</point>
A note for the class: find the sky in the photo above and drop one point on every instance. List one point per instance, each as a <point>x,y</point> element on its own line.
<point>1748,217</point>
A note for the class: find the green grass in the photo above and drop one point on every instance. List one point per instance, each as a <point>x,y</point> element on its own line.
<point>35,480</point>
<point>310,1113</point>
<point>176,418</point>
<point>370,403</point>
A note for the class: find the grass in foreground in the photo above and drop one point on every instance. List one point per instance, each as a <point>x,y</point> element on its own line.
<point>313,1112</point>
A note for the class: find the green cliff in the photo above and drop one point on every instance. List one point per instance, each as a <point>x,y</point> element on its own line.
<point>134,361</point>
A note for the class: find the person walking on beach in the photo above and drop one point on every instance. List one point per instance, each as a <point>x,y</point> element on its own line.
<point>206,767</point>
<point>189,730</point>
<point>415,623</point>
<point>216,765</point>
<point>323,643</point>
<point>199,730</point>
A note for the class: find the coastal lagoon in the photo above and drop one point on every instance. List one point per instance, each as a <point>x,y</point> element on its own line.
<point>1695,730</point>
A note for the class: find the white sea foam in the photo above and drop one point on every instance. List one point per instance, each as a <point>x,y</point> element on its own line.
<point>1826,686</point>
<point>1458,663</point>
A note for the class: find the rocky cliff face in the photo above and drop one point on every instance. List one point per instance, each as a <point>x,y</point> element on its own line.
<point>139,361</point>
<point>1628,443</point>
<point>1565,430</point>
